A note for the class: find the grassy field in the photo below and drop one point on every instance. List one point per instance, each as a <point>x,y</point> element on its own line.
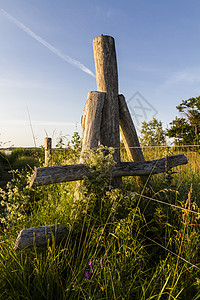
<point>120,245</point>
<point>18,159</point>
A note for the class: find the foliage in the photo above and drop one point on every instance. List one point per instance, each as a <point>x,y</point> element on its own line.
<point>152,133</point>
<point>182,132</point>
<point>186,130</point>
<point>67,155</point>
<point>110,250</point>
<point>191,109</point>
<point>18,159</point>
<point>23,152</point>
<point>103,201</point>
<point>16,199</point>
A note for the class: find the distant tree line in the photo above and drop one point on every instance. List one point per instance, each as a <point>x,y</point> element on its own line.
<point>184,130</point>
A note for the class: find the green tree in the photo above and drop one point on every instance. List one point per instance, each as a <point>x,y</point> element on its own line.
<point>186,130</point>
<point>152,133</point>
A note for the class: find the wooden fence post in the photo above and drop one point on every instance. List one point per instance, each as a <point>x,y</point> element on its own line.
<point>91,121</point>
<point>48,157</point>
<point>107,81</point>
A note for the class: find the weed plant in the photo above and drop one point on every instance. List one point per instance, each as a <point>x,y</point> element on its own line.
<point>113,249</point>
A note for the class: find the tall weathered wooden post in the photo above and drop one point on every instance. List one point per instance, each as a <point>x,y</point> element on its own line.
<point>107,82</point>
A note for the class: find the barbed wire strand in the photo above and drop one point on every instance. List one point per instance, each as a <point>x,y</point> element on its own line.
<point>160,146</point>
<point>152,147</point>
<point>140,147</point>
<point>168,250</point>
<point>135,147</point>
<point>169,204</point>
<point>158,244</point>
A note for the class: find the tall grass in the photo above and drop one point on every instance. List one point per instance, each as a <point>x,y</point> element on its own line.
<point>112,247</point>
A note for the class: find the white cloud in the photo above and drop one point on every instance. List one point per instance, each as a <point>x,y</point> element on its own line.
<point>186,76</point>
<point>180,84</point>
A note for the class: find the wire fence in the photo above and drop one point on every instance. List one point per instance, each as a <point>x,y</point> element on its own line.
<point>116,148</point>
<point>158,244</point>
<point>168,204</point>
<point>160,146</point>
<point>170,251</point>
<point>142,147</point>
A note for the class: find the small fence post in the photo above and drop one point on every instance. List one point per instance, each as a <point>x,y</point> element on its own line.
<point>48,157</point>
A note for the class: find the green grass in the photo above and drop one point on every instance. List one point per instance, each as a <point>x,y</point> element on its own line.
<point>114,229</point>
<point>18,159</point>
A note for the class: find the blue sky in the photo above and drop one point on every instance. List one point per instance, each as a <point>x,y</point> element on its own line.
<point>46,61</point>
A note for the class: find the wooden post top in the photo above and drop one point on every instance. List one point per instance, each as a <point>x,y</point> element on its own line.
<point>104,35</point>
<point>106,64</point>
<point>47,142</point>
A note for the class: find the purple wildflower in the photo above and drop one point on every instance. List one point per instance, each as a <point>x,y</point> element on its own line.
<point>88,275</point>
<point>101,262</point>
<point>90,264</point>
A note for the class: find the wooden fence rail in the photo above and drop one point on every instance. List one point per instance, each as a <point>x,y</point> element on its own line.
<point>57,174</point>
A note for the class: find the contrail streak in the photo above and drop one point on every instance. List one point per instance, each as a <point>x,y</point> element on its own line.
<point>47,45</point>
